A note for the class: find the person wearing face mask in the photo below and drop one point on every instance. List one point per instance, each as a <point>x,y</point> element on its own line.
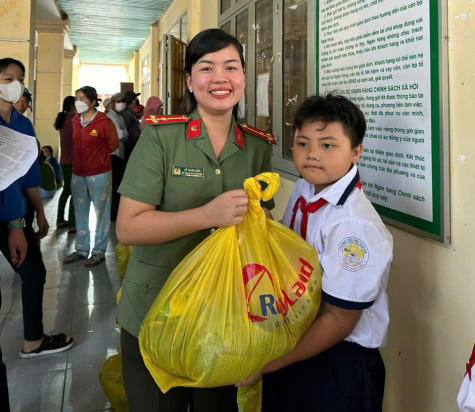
<point>95,137</point>
<point>18,242</point>
<point>64,124</point>
<point>131,123</point>
<point>117,105</point>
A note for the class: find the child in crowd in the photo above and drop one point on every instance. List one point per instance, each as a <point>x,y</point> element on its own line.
<point>48,152</point>
<point>336,365</point>
<point>48,178</point>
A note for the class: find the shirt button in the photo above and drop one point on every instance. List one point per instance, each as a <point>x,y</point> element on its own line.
<point>145,287</point>
<point>217,171</point>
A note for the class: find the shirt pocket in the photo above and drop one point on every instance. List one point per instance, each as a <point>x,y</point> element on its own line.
<point>142,284</point>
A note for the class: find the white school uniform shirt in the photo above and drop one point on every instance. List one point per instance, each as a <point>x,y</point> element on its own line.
<point>355,251</point>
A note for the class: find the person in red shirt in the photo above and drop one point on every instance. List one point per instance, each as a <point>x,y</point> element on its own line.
<point>95,137</point>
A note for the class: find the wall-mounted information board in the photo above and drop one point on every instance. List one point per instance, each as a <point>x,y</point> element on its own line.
<point>387,57</point>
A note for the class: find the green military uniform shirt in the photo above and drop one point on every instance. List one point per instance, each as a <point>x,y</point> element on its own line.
<point>175,168</point>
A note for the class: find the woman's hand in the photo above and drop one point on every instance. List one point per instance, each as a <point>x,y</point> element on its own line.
<point>250,379</point>
<point>17,246</point>
<point>227,209</point>
<point>43,226</point>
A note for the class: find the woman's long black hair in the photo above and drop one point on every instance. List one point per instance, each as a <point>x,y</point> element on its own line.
<point>68,104</point>
<point>207,41</point>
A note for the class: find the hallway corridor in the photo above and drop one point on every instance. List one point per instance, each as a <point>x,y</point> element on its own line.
<point>77,300</point>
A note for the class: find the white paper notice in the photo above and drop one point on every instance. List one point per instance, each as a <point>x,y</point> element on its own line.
<point>377,53</point>
<point>17,153</point>
<point>263,94</point>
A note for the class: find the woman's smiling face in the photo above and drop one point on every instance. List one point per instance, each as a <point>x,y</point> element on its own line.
<point>217,81</point>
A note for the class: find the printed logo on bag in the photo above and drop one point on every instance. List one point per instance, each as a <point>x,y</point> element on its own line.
<point>94,132</point>
<point>260,292</point>
<point>353,254</point>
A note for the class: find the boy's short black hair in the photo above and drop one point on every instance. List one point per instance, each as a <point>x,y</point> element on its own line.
<point>333,108</point>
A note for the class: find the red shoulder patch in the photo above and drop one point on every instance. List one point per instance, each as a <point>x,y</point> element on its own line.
<point>259,133</point>
<point>166,119</point>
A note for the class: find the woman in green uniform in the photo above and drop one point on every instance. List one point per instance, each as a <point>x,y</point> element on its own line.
<point>183,180</point>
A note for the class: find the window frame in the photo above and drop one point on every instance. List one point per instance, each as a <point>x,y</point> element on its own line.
<point>285,167</point>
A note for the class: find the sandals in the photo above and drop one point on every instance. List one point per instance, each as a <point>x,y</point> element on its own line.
<point>94,260</point>
<point>73,258</point>
<point>50,344</point>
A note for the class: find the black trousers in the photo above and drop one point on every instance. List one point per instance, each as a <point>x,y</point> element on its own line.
<point>347,377</point>
<point>144,395</point>
<point>33,276</point>
<point>117,168</point>
<point>4,401</point>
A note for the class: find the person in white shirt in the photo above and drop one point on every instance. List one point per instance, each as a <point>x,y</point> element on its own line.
<point>117,105</point>
<point>336,365</point>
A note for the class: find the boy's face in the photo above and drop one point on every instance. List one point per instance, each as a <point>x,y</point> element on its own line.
<point>323,156</point>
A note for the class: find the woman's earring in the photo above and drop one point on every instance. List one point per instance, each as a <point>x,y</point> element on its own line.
<point>191,91</point>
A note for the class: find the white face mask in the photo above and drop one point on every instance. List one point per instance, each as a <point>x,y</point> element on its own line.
<point>119,107</point>
<point>81,107</point>
<point>11,92</point>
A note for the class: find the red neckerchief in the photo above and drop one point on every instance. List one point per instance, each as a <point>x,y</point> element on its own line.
<point>470,363</point>
<point>307,208</point>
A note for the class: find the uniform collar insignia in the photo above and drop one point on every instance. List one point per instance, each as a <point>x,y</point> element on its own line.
<point>238,137</point>
<point>194,129</point>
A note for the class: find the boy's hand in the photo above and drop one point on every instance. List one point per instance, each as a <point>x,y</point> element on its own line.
<point>250,379</point>
<point>268,213</point>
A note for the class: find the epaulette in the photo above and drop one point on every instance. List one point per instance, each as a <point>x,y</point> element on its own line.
<point>166,119</point>
<point>259,133</point>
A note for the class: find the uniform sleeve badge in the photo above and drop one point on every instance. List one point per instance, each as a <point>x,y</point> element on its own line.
<point>353,254</point>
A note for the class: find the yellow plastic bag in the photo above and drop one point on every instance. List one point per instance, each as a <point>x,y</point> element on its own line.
<point>122,254</point>
<point>113,384</point>
<point>240,299</point>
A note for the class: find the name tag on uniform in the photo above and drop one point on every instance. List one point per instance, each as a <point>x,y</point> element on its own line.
<point>188,171</point>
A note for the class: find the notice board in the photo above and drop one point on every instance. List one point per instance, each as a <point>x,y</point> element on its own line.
<point>389,57</point>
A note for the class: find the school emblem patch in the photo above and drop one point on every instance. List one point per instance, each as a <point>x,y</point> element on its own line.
<point>94,132</point>
<point>352,254</point>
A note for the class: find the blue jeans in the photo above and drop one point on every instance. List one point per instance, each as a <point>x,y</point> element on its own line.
<point>95,189</point>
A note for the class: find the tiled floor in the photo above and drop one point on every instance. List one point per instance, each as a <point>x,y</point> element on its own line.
<point>77,300</point>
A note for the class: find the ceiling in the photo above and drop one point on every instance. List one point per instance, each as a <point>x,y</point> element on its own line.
<point>109,31</point>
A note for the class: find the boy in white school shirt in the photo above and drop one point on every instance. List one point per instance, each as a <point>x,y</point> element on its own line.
<point>336,366</point>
